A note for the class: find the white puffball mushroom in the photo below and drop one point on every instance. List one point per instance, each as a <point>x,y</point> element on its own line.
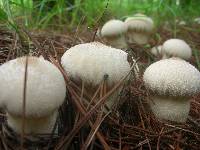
<point>45,93</point>
<point>176,48</point>
<point>113,32</point>
<point>157,50</point>
<point>90,62</point>
<point>197,20</point>
<point>182,23</point>
<point>171,83</point>
<point>140,27</point>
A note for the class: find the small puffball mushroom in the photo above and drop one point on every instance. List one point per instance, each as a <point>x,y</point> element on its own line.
<point>88,63</point>
<point>182,23</point>
<point>157,50</point>
<point>113,32</point>
<point>176,48</point>
<point>45,93</point>
<point>140,28</point>
<point>171,83</point>
<point>197,20</point>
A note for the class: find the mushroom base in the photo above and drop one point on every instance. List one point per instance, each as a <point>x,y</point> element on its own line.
<point>170,108</point>
<point>117,42</point>
<point>138,38</point>
<point>43,125</point>
<point>109,102</point>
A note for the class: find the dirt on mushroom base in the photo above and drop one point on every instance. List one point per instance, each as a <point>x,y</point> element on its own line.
<point>134,127</point>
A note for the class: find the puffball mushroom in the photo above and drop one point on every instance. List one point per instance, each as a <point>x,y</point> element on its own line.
<point>182,23</point>
<point>171,83</point>
<point>176,48</point>
<point>113,32</point>
<point>140,28</point>
<point>197,20</point>
<point>90,62</point>
<point>45,92</point>
<point>157,50</point>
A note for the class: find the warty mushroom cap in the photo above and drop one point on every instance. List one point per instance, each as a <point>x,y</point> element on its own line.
<point>172,77</point>
<point>45,90</point>
<point>140,23</point>
<point>89,62</point>
<point>177,48</point>
<point>113,28</point>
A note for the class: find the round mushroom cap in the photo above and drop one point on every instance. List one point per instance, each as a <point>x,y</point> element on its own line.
<point>45,88</point>
<point>140,23</point>
<point>90,62</point>
<point>177,48</point>
<point>113,28</point>
<point>172,77</point>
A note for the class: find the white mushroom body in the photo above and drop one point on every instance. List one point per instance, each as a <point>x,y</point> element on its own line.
<point>176,48</point>
<point>140,28</point>
<point>45,92</point>
<point>197,20</point>
<point>182,23</point>
<point>171,83</point>
<point>157,50</point>
<point>114,32</point>
<point>42,125</point>
<point>90,62</point>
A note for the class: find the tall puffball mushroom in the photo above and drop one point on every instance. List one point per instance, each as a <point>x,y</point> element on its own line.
<point>114,32</point>
<point>140,28</point>
<point>171,83</point>
<point>88,63</point>
<point>45,92</point>
<point>176,48</point>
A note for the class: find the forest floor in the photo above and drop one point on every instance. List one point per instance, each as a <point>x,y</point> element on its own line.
<point>130,125</point>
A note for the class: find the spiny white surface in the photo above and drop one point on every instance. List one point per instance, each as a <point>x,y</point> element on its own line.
<point>45,90</point>
<point>113,28</point>
<point>139,23</point>
<point>91,61</point>
<point>170,108</point>
<point>172,76</point>
<point>176,48</point>
<point>157,50</point>
<point>42,125</point>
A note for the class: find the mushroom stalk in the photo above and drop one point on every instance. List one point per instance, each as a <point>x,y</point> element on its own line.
<point>139,38</point>
<point>170,108</point>
<point>42,125</point>
<point>117,42</point>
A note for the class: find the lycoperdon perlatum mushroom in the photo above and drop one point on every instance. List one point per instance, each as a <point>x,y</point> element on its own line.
<point>88,63</point>
<point>114,32</point>
<point>45,93</point>
<point>140,27</point>
<point>171,83</point>
<point>176,48</point>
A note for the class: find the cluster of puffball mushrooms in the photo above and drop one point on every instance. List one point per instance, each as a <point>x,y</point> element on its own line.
<point>170,81</point>
<point>86,64</point>
<point>136,29</point>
